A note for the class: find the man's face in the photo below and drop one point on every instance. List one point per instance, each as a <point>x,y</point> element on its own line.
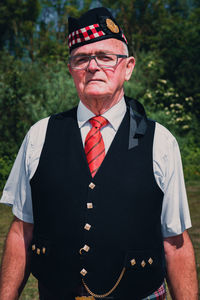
<point>99,82</point>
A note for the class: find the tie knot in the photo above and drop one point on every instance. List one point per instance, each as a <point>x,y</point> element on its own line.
<point>98,122</point>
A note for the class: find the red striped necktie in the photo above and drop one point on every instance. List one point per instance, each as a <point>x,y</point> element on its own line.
<point>94,144</point>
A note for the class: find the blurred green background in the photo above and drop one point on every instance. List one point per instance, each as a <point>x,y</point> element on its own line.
<point>163,36</point>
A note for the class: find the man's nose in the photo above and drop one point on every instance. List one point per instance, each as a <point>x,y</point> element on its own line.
<point>92,65</point>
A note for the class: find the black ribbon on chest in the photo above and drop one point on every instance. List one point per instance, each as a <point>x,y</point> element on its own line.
<point>138,121</point>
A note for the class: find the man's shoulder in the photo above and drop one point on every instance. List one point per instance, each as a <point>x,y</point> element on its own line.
<point>164,139</point>
<point>39,125</point>
<point>37,133</point>
<point>42,124</point>
<point>71,113</point>
<point>164,133</point>
<point>38,130</point>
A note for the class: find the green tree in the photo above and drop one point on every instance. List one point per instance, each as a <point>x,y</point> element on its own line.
<point>17,26</point>
<point>53,28</point>
<point>178,44</point>
<point>139,19</point>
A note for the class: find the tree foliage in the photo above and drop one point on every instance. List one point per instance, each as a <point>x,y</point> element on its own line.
<point>17,26</point>
<point>163,35</point>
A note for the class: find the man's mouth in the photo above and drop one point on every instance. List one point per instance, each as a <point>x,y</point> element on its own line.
<point>95,79</point>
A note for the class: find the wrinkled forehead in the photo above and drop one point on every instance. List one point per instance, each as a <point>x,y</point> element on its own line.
<point>105,46</point>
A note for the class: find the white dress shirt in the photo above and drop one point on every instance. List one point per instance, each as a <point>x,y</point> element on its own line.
<point>167,167</point>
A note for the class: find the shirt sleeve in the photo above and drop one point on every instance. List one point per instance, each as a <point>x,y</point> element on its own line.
<point>175,217</point>
<point>17,191</point>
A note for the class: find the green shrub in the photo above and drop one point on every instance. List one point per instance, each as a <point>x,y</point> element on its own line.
<point>5,167</point>
<point>31,91</point>
<point>190,151</point>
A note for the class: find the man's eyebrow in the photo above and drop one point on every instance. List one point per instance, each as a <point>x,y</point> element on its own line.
<point>96,52</point>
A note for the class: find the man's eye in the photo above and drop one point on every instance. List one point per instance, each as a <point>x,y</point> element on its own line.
<point>80,60</point>
<point>105,57</point>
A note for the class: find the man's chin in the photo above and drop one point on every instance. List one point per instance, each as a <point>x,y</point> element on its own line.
<point>95,92</point>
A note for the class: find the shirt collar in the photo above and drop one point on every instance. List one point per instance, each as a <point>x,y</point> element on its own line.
<point>114,115</point>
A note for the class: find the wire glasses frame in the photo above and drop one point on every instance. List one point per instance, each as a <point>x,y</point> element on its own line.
<point>81,62</point>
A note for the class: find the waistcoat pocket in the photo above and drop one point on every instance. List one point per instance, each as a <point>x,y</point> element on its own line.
<point>143,260</point>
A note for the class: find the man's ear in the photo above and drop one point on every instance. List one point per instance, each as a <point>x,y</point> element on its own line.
<point>130,64</point>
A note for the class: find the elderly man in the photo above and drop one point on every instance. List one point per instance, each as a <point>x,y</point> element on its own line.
<point>103,186</point>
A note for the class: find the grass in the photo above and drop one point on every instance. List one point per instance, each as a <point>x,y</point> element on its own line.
<point>193,190</point>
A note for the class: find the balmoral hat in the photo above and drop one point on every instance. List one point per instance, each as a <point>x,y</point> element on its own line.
<point>95,25</point>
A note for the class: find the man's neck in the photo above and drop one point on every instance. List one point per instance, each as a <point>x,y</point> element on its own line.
<point>99,105</point>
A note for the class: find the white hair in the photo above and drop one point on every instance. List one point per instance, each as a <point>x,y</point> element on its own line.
<point>125,50</point>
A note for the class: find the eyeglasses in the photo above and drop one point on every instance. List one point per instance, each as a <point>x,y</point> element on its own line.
<point>81,62</point>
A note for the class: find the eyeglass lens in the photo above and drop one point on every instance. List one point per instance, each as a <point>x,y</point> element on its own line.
<point>82,61</point>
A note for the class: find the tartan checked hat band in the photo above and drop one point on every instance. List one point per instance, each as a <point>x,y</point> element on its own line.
<point>95,25</point>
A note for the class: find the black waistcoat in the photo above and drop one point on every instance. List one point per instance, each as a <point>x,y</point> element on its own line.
<point>125,215</point>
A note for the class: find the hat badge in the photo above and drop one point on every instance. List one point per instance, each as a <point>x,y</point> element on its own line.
<point>112,26</point>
